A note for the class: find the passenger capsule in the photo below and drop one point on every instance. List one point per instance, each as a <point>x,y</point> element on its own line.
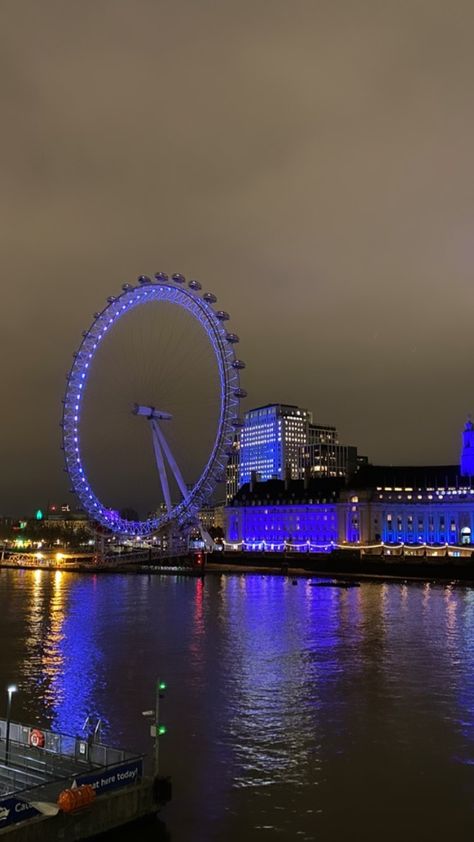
<point>111,299</point>
<point>126,287</point>
<point>85,333</point>
<point>179,279</point>
<point>96,315</point>
<point>161,276</point>
<point>238,364</point>
<point>240,393</point>
<point>222,316</point>
<point>144,279</point>
<point>210,297</point>
<point>194,285</point>
<point>232,337</point>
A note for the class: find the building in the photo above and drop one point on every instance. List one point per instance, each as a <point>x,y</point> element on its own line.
<point>425,507</point>
<point>322,455</point>
<point>270,440</point>
<point>60,516</point>
<point>232,470</point>
<point>411,505</point>
<point>279,514</point>
<point>280,440</point>
<point>329,460</point>
<point>212,517</point>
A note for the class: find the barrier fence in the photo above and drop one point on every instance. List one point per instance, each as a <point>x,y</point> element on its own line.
<point>39,757</point>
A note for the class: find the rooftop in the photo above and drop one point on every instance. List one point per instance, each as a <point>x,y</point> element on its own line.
<point>278,492</point>
<point>408,476</point>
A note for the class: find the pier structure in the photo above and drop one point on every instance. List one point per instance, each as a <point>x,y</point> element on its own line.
<point>37,765</point>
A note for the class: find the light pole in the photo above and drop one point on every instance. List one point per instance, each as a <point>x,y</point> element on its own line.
<point>157,729</point>
<point>10,690</point>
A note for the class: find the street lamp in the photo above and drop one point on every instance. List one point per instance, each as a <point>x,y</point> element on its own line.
<point>10,690</point>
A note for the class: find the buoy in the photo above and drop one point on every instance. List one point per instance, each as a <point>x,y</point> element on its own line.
<point>37,738</point>
<point>70,800</point>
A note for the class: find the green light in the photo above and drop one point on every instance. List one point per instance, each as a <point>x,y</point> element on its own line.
<point>39,515</point>
<point>161,730</point>
<point>162,685</point>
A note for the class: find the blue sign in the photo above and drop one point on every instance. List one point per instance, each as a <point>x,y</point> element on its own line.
<point>14,810</point>
<point>113,778</point>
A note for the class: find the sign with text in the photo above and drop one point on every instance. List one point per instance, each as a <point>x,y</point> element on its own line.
<point>117,776</point>
<point>15,810</point>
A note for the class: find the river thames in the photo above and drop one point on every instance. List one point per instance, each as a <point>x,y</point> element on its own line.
<point>293,712</point>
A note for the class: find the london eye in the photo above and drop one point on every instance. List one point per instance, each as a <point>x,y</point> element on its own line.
<point>151,406</point>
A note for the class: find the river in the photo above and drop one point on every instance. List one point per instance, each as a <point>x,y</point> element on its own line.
<point>293,712</point>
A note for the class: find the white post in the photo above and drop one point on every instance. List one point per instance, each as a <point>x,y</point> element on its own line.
<point>161,464</point>
<point>171,461</point>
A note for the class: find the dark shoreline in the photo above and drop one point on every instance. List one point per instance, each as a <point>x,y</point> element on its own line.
<point>351,565</point>
<point>338,565</point>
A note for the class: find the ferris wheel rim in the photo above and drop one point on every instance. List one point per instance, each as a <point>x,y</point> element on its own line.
<point>199,305</point>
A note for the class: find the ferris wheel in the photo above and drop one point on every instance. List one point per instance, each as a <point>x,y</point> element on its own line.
<point>184,487</point>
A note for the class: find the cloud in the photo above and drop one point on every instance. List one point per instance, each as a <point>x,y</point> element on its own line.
<point>310,163</point>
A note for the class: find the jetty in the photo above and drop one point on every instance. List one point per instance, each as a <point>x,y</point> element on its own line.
<point>54,786</point>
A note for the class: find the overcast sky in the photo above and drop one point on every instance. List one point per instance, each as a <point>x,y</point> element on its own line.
<point>309,162</point>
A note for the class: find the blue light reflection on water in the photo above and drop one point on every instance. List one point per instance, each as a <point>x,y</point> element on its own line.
<point>77,676</point>
<point>285,701</point>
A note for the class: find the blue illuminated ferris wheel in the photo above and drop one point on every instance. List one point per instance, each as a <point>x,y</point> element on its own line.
<point>189,497</point>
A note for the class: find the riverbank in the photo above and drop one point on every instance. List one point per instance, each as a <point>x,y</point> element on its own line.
<point>342,565</point>
<point>351,565</point>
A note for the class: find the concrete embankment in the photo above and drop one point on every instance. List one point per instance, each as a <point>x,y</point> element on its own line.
<point>349,564</point>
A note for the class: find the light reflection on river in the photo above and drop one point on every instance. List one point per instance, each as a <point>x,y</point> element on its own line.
<point>294,712</point>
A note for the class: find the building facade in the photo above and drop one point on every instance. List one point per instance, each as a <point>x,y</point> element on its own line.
<point>212,517</point>
<point>424,507</point>
<point>278,514</point>
<point>270,440</point>
<point>327,460</point>
<point>232,470</point>
<point>280,441</point>
<point>411,505</point>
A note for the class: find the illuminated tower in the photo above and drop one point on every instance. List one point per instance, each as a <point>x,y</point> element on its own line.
<point>467,452</point>
<point>270,441</point>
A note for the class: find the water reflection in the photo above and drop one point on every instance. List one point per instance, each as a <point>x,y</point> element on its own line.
<point>75,660</point>
<point>284,701</point>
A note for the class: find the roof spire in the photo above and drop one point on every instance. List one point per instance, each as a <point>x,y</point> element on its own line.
<point>467,452</point>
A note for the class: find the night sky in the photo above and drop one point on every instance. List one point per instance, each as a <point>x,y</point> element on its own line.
<point>309,162</point>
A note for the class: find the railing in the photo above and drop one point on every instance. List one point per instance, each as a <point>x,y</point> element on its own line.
<point>28,769</point>
<point>152,555</point>
<point>64,745</point>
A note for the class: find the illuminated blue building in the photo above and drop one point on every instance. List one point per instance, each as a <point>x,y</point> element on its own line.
<point>272,514</point>
<point>426,507</point>
<point>413,505</point>
<point>280,441</point>
<point>270,441</point>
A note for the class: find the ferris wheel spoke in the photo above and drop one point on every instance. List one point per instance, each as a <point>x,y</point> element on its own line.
<point>160,462</point>
<point>171,460</point>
